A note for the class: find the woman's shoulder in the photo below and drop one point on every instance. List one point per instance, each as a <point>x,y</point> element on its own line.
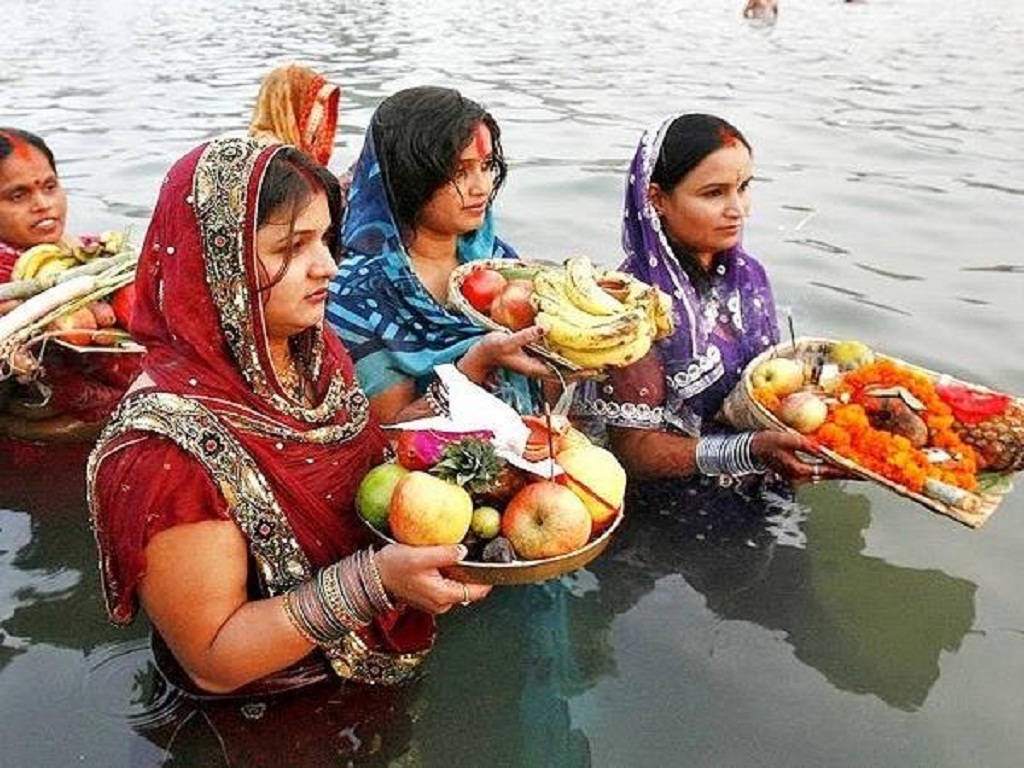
<point>142,471</point>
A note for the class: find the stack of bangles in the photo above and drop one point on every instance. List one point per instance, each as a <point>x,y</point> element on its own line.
<point>728,455</point>
<point>339,599</point>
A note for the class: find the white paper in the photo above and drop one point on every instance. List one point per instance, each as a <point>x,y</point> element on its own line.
<point>473,409</point>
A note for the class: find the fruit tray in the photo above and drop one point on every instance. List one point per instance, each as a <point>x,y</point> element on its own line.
<point>525,571</point>
<point>458,301</point>
<point>743,410</point>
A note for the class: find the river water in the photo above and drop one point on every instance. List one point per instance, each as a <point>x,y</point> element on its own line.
<point>858,630</point>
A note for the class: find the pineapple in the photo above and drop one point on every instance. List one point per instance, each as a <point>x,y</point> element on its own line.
<point>472,463</point>
<point>998,440</point>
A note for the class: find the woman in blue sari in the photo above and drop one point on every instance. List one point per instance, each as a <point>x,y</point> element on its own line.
<point>419,206</point>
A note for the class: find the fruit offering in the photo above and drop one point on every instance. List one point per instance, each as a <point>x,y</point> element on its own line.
<point>918,431</point>
<point>592,319</point>
<point>446,488</point>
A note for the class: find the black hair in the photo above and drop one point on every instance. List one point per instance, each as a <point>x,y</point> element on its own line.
<point>419,134</point>
<point>290,181</point>
<point>11,137</point>
<point>689,139</point>
<point>687,142</point>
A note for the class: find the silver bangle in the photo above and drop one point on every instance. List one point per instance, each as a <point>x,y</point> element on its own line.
<point>728,455</point>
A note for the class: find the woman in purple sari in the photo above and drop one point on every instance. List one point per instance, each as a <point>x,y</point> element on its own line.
<point>687,196</point>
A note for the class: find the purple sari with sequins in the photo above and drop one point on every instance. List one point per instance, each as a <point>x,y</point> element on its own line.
<point>718,331</point>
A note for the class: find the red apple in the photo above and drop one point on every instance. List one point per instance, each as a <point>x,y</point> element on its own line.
<point>426,510</point>
<point>545,519</point>
<point>512,307</point>
<point>481,287</point>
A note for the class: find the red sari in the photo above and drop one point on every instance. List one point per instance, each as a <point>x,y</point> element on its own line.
<point>217,436</point>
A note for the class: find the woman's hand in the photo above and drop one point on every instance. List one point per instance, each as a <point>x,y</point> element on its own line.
<point>412,575</point>
<point>780,451</point>
<point>500,349</point>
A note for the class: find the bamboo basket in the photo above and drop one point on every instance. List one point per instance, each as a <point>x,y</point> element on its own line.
<point>742,410</point>
<point>458,302</point>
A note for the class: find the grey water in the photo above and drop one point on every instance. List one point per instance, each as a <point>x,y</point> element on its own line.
<point>856,629</point>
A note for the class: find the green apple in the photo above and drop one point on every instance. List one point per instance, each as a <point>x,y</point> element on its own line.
<point>374,494</point>
<point>781,375</point>
<point>486,522</point>
<point>850,355</point>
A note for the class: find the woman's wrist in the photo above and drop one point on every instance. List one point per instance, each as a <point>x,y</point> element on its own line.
<point>728,455</point>
<point>341,598</point>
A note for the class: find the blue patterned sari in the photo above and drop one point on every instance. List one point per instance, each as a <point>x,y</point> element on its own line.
<point>391,325</point>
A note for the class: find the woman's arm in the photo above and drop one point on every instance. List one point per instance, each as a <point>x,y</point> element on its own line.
<point>494,350</point>
<point>194,592</point>
<point>653,453</point>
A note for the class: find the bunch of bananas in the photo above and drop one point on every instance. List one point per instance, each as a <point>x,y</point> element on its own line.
<point>45,261</point>
<point>599,320</point>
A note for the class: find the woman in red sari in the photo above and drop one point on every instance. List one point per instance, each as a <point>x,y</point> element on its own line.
<point>222,491</point>
<point>77,392</point>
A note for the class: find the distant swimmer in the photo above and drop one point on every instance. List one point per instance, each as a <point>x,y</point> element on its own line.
<point>761,9</point>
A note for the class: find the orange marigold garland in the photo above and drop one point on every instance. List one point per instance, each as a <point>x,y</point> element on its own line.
<point>849,433</point>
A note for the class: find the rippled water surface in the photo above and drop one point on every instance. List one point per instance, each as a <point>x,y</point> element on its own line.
<point>861,631</point>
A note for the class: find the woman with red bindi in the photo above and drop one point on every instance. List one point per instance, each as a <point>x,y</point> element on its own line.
<point>33,204</point>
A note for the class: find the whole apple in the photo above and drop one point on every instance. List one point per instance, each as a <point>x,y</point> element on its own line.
<point>596,476</point>
<point>803,411</point>
<point>781,375</point>
<point>481,287</point>
<point>512,308</point>
<point>427,510</point>
<point>373,498</point>
<point>545,519</point>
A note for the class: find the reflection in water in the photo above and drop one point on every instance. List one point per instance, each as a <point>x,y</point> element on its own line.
<point>868,626</point>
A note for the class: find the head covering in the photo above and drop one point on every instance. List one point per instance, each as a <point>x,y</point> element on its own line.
<point>717,333</point>
<point>392,326</point>
<point>297,106</point>
<point>200,316</point>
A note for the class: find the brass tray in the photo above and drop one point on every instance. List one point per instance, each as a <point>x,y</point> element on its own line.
<point>525,571</point>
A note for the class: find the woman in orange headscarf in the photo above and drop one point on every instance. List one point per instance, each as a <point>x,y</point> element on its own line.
<point>297,106</point>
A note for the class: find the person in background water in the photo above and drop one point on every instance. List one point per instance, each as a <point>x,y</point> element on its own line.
<point>761,9</point>
<point>222,491</point>
<point>297,106</point>
<point>687,196</point>
<point>33,204</point>
<point>419,206</point>
<point>78,392</point>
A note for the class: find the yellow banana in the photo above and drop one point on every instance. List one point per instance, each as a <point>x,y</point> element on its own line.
<point>582,289</point>
<point>550,285</point>
<point>30,261</point>
<point>562,334</point>
<point>664,321</point>
<point>53,267</point>
<point>613,357</point>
